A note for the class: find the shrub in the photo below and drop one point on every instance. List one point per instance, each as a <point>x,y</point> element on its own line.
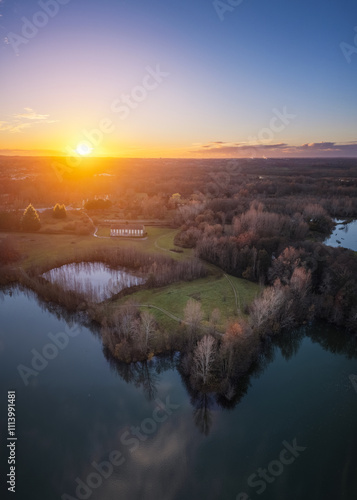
<point>30,220</point>
<point>59,211</point>
<point>99,204</point>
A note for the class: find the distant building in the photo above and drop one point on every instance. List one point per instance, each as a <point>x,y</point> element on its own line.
<point>128,230</point>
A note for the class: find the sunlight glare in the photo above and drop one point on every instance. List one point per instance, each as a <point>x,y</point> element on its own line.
<point>84,149</point>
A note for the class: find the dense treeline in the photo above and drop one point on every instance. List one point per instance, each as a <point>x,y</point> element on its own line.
<point>278,250</point>
<point>98,204</point>
<point>330,183</point>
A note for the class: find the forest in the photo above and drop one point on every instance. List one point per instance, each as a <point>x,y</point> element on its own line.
<point>260,220</point>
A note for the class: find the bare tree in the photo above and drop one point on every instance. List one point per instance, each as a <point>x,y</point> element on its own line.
<point>123,319</point>
<point>203,358</point>
<point>300,282</point>
<point>148,325</point>
<point>272,310</point>
<point>193,315</point>
<point>214,320</point>
<point>190,210</point>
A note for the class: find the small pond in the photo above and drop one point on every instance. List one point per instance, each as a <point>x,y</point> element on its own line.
<point>344,235</point>
<point>97,280</point>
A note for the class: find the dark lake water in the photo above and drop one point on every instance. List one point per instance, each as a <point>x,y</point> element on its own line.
<point>80,408</point>
<point>97,280</point>
<point>344,235</point>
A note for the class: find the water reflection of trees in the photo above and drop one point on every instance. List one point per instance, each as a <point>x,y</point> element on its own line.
<point>224,391</point>
<point>289,342</point>
<point>337,342</point>
<point>95,280</point>
<point>60,312</point>
<point>202,413</point>
<point>143,374</point>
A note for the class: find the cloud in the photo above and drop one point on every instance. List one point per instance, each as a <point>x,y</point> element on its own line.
<point>246,150</point>
<point>19,127</point>
<point>31,115</point>
<point>21,121</point>
<point>29,152</point>
<point>319,145</point>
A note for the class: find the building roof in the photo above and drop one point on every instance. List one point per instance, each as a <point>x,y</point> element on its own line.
<point>128,226</point>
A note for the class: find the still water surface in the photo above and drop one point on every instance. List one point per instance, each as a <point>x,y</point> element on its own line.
<point>78,407</point>
<point>97,280</point>
<point>344,235</point>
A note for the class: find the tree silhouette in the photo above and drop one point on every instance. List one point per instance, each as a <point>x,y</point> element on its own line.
<point>30,220</point>
<point>59,211</point>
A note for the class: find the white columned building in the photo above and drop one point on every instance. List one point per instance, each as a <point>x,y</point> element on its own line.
<point>128,230</point>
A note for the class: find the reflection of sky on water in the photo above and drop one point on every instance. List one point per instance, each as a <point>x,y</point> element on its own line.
<point>76,409</point>
<point>344,235</point>
<point>93,278</point>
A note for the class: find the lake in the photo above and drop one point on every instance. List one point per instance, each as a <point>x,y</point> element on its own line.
<point>95,279</point>
<point>344,235</point>
<point>78,410</point>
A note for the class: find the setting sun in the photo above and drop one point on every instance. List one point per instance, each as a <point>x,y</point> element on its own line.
<point>84,149</point>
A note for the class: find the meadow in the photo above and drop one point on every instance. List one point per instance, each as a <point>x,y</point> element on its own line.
<point>41,249</point>
<point>231,295</point>
<point>214,291</point>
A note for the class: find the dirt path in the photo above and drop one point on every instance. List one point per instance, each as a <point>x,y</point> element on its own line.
<point>172,316</point>
<point>162,236</point>
<point>95,228</point>
<point>167,313</point>
<point>235,293</point>
<point>176,318</point>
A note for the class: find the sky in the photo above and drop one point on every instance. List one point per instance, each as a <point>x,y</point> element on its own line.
<point>178,78</point>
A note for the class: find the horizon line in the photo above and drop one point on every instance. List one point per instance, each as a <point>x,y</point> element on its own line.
<point>186,157</point>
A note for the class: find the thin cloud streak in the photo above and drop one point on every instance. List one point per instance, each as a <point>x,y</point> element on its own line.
<point>30,152</point>
<point>277,150</point>
<point>31,115</point>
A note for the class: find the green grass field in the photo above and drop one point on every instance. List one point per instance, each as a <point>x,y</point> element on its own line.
<point>214,291</point>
